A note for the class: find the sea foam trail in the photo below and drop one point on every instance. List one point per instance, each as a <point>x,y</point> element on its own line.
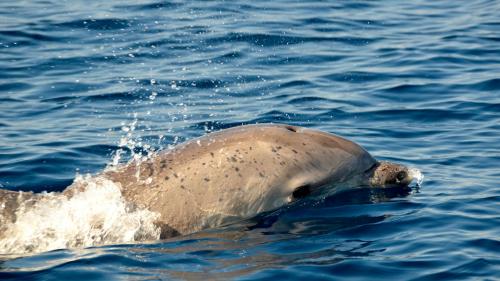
<point>94,215</point>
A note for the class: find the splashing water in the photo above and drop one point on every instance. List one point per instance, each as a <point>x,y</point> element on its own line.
<point>418,176</point>
<point>95,216</point>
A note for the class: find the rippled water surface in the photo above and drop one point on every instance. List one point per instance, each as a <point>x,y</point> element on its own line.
<point>416,82</point>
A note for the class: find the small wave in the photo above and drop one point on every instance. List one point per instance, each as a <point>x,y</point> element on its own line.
<point>269,40</point>
<point>97,24</point>
<point>415,88</point>
<point>487,85</point>
<point>29,35</point>
<point>96,215</point>
<point>150,6</point>
<point>15,86</point>
<point>298,83</point>
<point>473,268</point>
<point>357,77</point>
<point>428,114</point>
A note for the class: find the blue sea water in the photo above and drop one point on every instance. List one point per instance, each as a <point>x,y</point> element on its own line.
<point>415,82</point>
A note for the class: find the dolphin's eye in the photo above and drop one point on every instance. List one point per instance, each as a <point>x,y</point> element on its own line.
<point>401,175</point>
<point>301,191</point>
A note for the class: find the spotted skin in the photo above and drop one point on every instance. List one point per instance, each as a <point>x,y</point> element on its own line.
<point>238,173</point>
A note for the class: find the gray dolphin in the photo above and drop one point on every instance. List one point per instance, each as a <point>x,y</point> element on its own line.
<point>240,172</point>
<point>237,173</point>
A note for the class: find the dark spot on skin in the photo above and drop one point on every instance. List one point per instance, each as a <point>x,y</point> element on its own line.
<point>291,129</point>
<point>203,164</point>
<point>236,169</point>
<point>182,180</point>
<point>183,187</point>
<point>206,179</point>
<point>279,147</point>
<point>261,174</point>
<point>212,154</point>
<point>240,175</point>
<point>303,143</point>
<point>226,175</point>
<point>301,191</point>
<point>175,175</point>
<point>234,159</point>
<point>273,150</point>
<point>294,151</point>
<point>167,178</point>
<point>250,148</point>
<point>163,165</point>
<point>189,168</point>
<point>151,169</point>
<point>166,231</point>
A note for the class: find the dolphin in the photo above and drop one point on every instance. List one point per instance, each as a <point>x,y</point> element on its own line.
<point>242,171</point>
<point>235,174</point>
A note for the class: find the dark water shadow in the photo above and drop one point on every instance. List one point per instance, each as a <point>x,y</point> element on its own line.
<point>295,214</point>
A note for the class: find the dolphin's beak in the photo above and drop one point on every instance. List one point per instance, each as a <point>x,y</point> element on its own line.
<point>387,174</point>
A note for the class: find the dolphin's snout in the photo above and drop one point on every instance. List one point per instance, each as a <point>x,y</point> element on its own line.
<point>388,174</point>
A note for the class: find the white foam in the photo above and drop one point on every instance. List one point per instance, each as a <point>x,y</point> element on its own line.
<point>95,215</point>
<point>417,176</point>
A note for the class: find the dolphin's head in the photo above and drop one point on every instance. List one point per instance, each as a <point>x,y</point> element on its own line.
<point>317,163</point>
<point>332,164</point>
